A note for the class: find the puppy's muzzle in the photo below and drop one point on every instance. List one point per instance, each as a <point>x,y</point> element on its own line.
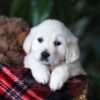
<point>45,55</point>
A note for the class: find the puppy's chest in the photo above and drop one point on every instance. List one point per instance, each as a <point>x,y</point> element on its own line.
<point>50,67</point>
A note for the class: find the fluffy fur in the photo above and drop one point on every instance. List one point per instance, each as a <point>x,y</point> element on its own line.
<point>63,61</point>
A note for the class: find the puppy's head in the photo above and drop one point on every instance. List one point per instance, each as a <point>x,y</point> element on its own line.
<point>51,43</point>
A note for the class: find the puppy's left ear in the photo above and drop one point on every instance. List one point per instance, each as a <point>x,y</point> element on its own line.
<point>28,42</point>
<point>73,52</point>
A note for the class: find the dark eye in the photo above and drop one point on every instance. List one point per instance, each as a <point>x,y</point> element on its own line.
<point>40,40</point>
<point>57,43</point>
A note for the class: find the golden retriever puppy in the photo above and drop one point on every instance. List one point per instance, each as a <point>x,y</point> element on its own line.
<point>52,53</point>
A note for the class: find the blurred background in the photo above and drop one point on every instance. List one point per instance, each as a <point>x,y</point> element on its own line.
<point>82,17</point>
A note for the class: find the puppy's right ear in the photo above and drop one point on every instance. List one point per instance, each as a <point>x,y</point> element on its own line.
<point>28,42</point>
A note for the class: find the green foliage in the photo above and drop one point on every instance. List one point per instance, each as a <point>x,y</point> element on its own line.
<point>34,11</point>
<point>81,16</point>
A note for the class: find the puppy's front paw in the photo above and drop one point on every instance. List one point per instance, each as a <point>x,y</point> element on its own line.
<point>55,84</point>
<point>58,78</point>
<point>42,75</point>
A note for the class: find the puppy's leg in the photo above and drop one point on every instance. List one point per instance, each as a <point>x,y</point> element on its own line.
<point>58,77</point>
<point>40,72</point>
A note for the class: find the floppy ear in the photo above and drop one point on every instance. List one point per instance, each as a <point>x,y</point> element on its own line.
<point>28,42</point>
<point>73,52</point>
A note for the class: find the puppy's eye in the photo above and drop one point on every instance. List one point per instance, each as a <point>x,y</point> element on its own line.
<point>40,40</point>
<point>57,43</point>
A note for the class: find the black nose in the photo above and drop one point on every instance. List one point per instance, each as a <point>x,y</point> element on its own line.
<point>45,54</point>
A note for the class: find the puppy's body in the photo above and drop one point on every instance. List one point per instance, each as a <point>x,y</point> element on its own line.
<point>51,47</point>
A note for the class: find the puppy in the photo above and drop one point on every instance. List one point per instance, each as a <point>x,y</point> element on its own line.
<point>52,54</point>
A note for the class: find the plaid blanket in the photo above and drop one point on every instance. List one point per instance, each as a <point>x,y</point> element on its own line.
<point>17,83</point>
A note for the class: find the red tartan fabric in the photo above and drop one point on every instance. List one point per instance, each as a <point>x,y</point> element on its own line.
<point>17,83</point>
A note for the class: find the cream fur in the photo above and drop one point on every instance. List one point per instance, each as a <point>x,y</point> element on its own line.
<point>64,59</point>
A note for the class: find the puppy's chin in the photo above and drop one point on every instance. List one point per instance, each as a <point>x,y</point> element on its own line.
<point>49,62</point>
<point>49,65</point>
<point>44,62</point>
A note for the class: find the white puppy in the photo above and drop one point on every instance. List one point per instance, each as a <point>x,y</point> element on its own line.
<point>52,54</point>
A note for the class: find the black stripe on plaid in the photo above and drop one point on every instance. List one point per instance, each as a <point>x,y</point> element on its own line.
<point>11,92</point>
<point>21,85</point>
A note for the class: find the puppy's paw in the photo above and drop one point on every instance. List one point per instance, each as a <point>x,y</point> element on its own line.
<point>42,75</point>
<point>55,84</point>
<point>58,78</point>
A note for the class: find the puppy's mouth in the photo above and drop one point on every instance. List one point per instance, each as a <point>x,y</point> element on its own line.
<point>49,63</point>
<point>45,62</point>
<point>44,59</point>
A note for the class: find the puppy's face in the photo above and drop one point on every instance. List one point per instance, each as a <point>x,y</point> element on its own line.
<point>51,43</point>
<point>49,48</point>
